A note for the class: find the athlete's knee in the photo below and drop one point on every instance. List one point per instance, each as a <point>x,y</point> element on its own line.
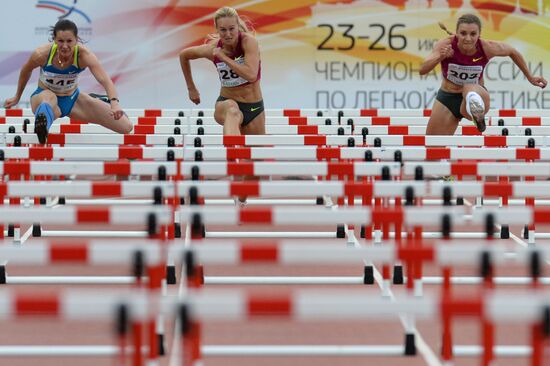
<point>233,112</point>
<point>125,125</point>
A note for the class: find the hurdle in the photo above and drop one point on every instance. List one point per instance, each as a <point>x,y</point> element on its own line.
<point>202,112</point>
<point>104,153</point>
<point>140,253</point>
<point>333,155</point>
<point>100,139</point>
<point>304,306</point>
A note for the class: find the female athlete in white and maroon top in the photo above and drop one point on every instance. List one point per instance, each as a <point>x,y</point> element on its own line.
<point>463,57</point>
<point>236,55</point>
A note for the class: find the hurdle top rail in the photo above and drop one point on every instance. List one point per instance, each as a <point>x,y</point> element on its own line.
<point>286,153</point>
<point>19,123</point>
<point>386,153</point>
<point>301,305</point>
<point>441,252</point>
<point>366,140</point>
<point>407,215</point>
<point>284,252</point>
<point>299,112</point>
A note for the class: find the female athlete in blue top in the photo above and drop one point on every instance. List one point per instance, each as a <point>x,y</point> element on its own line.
<point>58,94</point>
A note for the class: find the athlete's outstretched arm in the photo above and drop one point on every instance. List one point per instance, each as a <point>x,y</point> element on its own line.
<point>248,70</point>
<point>193,53</point>
<point>34,61</point>
<point>495,48</point>
<point>442,50</point>
<point>90,60</point>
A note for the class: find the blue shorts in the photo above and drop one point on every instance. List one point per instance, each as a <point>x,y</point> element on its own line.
<point>65,103</point>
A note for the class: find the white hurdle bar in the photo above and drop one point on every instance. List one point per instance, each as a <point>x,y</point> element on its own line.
<point>291,168</point>
<point>205,168</point>
<point>289,140</point>
<point>131,112</point>
<point>404,125</point>
<point>371,140</point>
<point>340,215</point>
<point>95,139</point>
<point>89,189</point>
<point>408,153</point>
<point>156,191</point>
<point>271,129</point>
<point>401,125</point>
<point>412,216</point>
<point>282,252</point>
<point>72,215</point>
<point>345,112</point>
<point>300,305</point>
<point>381,112</point>
<point>484,169</point>
<point>67,124</point>
<point>415,153</point>
<point>423,189</point>
<point>83,153</point>
<point>17,168</point>
<point>277,130</point>
<point>288,252</point>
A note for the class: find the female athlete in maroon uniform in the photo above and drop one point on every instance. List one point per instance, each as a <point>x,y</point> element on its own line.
<point>236,55</point>
<point>463,57</point>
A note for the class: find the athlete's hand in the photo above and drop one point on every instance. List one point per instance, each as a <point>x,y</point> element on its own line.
<point>538,81</point>
<point>217,52</point>
<point>116,111</point>
<point>446,52</point>
<point>8,103</point>
<point>195,96</point>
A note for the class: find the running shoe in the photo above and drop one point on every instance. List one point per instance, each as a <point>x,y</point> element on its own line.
<point>41,127</point>
<point>239,203</point>
<point>443,178</point>
<point>478,114</point>
<point>101,97</point>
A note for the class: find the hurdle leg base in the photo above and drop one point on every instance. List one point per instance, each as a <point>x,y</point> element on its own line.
<point>340,232</point>
<point>398,275</point>
<point>368,275</point>
<point>171,275</point>
<point>36,230</point>
<point>410,345</point>
<point>505,232</point>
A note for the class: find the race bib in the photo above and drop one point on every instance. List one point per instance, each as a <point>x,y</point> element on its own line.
<point>460,74</point>
<point>59,82</point>
<point>228,77</point>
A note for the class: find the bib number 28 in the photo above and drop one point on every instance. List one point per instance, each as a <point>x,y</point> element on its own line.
<point>228,74</point>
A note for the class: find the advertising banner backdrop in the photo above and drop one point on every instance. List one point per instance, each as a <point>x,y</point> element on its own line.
<point>325,54</point>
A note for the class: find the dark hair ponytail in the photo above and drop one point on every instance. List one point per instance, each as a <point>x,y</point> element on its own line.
<point>444,28</point>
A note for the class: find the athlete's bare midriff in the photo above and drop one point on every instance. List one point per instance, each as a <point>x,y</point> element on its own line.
<point>451,87</point>
<point>248,93</point>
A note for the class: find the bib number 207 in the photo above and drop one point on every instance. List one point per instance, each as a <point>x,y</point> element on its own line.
<point>463,75</point>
